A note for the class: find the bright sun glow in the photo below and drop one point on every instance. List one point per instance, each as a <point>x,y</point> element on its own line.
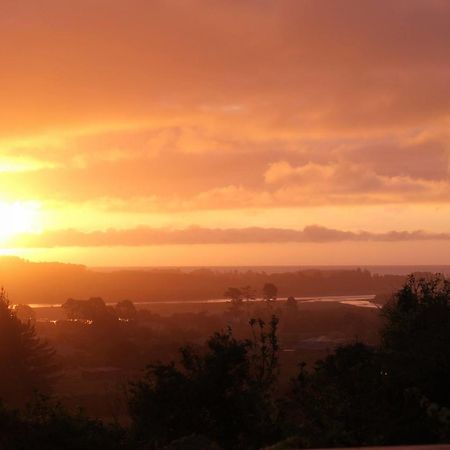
<point>18,217</point>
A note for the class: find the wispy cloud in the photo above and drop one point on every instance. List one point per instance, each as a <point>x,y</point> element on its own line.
<point>144,236</point>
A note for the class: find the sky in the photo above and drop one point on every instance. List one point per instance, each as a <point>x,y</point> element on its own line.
<point>225,132</point>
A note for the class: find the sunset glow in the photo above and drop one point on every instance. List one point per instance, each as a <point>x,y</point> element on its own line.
<point>17,218</point>
<point>148,118</point>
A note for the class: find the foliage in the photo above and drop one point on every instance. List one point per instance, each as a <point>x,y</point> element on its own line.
<point>396,393</point>
<point>416,337</point>
<point>224,393</point>
<point>47,425</point>
<point>348,400</point>
<point>248,293</point>
<point>234,294</point>
<point>193,442</point>
<point>93,310</point>
<point>25,313</point>
<point>126,310</point>
<point>270,291</point>
<point>28,363</point>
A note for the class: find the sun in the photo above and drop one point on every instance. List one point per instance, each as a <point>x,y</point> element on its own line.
<point>17,218</point>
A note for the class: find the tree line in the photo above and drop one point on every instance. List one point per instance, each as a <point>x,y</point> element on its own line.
<point>50,283</point>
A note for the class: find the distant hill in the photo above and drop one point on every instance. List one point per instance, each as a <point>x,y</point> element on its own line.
<point>52,283</point>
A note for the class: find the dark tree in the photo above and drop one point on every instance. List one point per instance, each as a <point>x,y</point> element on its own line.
<point>126,310</point>
<point>270,292</point>
<point>27,363</point>
<point>47,425</point>
<point>236,297</point>
<point>223,393</point>
<point>393,394</point>
<point>349,401</point>
<point>416,337</point>
<point>248,293</point>
<point>234,294</point>
<point>193,442</point>
<point>93,310</point>
<point>25,313</point>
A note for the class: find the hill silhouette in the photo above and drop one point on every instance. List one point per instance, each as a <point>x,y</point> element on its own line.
<point>52,283</point>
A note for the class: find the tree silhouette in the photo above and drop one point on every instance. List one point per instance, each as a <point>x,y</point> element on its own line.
<point>46,425</point>
<point>25,313</point>
<point>392,394</point>
<point>248,293</point>
<point>93,310</point>
<point>235,295</point>
<point>349,400</point>
<point>224,393</point>
<point>126,310</point>
<point>416,337</point>
<point>270,292</point>
<point>27,363</point>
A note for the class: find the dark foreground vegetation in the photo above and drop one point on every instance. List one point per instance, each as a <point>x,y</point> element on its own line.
<point>233,391</point>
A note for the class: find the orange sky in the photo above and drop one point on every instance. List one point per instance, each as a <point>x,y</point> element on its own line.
<point>225,132</point>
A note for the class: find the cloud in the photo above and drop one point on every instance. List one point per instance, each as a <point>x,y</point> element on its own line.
<point>173,168</point>
<point>177,107</point>
<point>293,64</point>
<point>145,236</point>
